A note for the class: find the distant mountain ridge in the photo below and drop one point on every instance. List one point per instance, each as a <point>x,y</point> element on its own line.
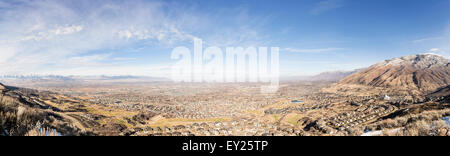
<point>35,77</point>
<point>74,78</point>
<point>332,76</point>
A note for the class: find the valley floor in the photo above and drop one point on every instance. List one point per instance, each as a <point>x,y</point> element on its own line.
<point>155,109</point>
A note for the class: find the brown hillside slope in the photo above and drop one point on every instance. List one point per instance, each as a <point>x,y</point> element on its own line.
<point>422,72</point>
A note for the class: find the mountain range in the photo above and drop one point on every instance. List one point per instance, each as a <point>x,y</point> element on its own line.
<point>422,72</point>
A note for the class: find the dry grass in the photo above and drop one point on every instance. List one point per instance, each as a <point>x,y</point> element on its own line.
<point>18,119</point>
<point>15,119</point>
<point>275,117</point>
<point>354,131</point>
<point>292,118</point>
<point>256,112</point>
<point>428,123</point>
<point>39,130</point>
<point>122,122</point>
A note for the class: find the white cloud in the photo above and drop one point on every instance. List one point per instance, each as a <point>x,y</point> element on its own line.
<point>90,60</point>
<point>323,50</point>
<point>62,35</point>
<point>426,39</point>
<point>437,51</point>
<point>67,30</point>
<point>167,35</point>
<point>66,34</point>
<point>326,5</point>
<point>124,58</point>
<point>433,50</point>
<point>46,35</point>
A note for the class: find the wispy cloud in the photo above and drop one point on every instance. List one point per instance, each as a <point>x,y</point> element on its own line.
<point>438,51</point>
<point>51,33</point>
<point>124,58</point>
<point>89,60</point>
<point>433,50</point>
<point>426,39</point>
<point>326,5</point>
<point>440,45</point>
<point>322,50</point>
<point>67,34</point>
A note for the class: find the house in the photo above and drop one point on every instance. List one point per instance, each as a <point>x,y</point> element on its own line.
<point>387,98</point>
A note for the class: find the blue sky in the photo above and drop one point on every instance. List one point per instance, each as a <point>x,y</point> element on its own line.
<point>130,37</point>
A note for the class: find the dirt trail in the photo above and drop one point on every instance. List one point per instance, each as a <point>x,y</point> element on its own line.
<point>73,120</point>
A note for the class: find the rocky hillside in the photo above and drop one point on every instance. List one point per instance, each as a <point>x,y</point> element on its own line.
<point>23,112</point>
<point>443,93</point>
<point>422,72</point>
<point>29,112</point>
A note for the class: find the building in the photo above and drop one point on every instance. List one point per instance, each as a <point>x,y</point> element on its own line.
<point>387,98</point>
